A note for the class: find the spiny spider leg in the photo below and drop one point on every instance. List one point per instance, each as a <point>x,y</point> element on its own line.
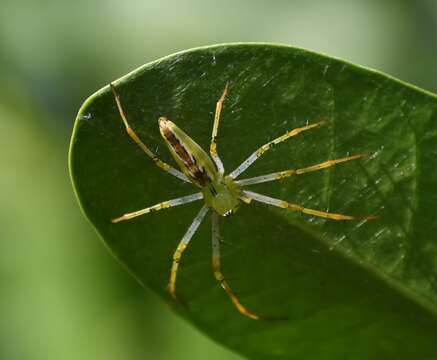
<point>216,266</point>
<point>213,147</point>
<point>181,248</point>
<point>293,207</point>
<point>283,174</point>
<point>163,205</point>
<point>161,164</point>
<point>258,153</point>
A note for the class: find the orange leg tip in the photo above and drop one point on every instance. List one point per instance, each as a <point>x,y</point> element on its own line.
<point>172,292</point>
<point>266,318</point>
<point>372,217</point>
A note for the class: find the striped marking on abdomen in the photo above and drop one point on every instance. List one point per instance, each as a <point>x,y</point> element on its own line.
<point>196,172</point>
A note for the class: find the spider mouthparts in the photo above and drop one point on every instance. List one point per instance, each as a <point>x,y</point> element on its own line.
<point>228,213</point>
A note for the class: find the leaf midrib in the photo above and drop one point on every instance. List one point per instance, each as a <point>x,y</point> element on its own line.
<point>350,256</point>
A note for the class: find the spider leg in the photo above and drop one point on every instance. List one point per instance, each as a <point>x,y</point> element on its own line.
<point>163,205</point>
<point>181,248</point>
<point>258,153</point>
<point>283,174</point>
<point>218,273</point>
<point>213,147</point>
<point>293,207</point>
<point>161,164</point>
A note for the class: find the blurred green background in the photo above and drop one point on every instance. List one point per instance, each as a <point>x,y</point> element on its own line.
<point>62,294</point>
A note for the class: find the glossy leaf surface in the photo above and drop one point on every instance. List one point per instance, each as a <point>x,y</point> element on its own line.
<point>362,289</point>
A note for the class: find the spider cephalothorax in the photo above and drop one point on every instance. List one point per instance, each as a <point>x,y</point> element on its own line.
<point>223,195</point>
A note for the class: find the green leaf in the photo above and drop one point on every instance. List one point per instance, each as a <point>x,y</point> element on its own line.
<point>360,289</point>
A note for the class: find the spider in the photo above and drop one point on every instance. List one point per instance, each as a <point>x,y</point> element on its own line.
<point>221,193</point>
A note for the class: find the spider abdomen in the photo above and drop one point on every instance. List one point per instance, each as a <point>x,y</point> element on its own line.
<point>191,158</point>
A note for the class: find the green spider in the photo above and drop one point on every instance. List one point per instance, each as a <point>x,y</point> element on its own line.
<point>221,193</point>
